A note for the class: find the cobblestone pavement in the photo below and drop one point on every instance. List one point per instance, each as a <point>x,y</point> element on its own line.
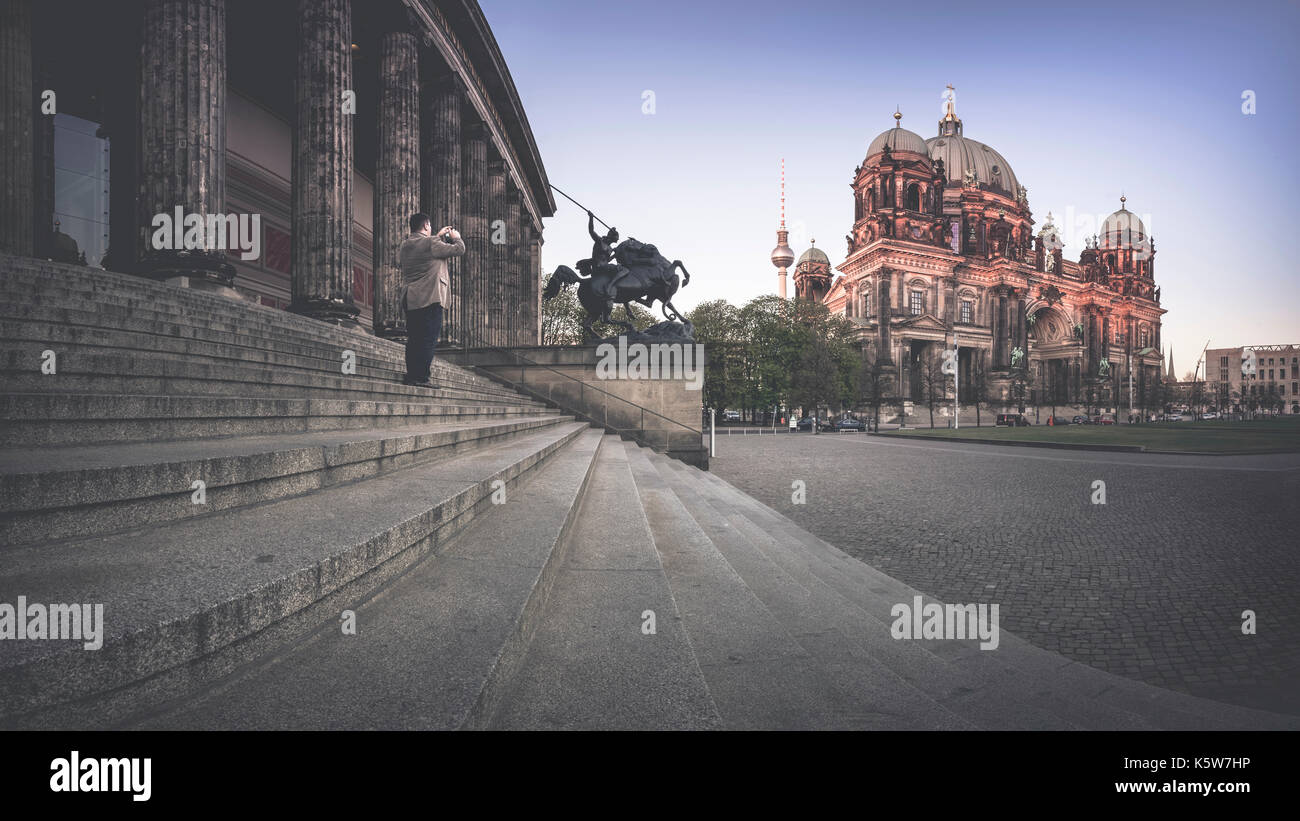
<point>1150,585</point>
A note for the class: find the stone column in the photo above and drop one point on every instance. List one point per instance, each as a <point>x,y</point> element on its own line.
<point>535,282</point>
<point>473,216</point>
<point>322,164</point>
<point>885,354</point>
<point>1000,354</point>
<point>17,120</point>
<point>498,256</point>
<point>182,135</point>
<point>397,174</point>
<point>440,190</point>
<point>514,272</point>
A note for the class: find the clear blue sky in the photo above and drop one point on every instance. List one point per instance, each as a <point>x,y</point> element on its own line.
<point>1083,101</point>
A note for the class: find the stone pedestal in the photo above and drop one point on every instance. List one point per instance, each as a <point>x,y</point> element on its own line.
<point>321,271</point>
<point>663,414</point>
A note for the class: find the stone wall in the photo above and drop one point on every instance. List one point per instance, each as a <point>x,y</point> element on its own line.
<point>663,414</point>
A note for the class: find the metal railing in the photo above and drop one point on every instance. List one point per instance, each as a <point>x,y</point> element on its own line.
<point>639,434</point>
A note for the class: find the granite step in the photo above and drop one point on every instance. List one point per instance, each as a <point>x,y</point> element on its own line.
<point>770,658</point>
<point>432,647</point>
<point>84,419</point>
<point>96,369</point>
<point>590,665</point>
<point>49,493</point>
<point>187,603</point>
<point>29,338</point>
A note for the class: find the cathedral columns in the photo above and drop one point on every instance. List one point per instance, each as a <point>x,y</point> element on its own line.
<point>884,353</point>
<point>321,269</point>
<point>182,100</point>
<point>397,171</point>
<point>17,123</point>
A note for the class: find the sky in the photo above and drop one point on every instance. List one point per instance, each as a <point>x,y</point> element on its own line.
<point>1085,103</point>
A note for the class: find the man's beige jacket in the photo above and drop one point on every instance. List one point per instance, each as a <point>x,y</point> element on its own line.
<point>425,279</point>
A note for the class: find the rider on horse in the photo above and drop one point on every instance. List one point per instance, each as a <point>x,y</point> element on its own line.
<point>603,261</point>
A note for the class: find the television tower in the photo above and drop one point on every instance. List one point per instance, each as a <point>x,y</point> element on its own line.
<point>783,254</point>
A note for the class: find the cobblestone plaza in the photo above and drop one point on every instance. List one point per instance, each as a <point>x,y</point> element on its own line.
<point>1150,585</point>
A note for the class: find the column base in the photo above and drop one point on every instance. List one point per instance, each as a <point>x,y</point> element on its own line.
<point>391,330</point>
<point>205,271</point>
<point>331,311</point>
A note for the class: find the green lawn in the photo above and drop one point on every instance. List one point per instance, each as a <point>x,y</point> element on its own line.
<point>1203,437</point>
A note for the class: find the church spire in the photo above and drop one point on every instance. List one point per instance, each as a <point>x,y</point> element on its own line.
<point>950,125</point>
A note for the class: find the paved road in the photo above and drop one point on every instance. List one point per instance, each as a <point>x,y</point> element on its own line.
<point>1150,585</point>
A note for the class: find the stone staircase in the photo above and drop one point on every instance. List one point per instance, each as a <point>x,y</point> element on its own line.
<point>504,565</point>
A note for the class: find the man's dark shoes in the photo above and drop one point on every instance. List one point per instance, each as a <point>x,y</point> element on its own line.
<point>417,383</point>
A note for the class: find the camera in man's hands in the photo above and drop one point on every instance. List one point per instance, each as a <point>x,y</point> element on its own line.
<point>447,238</point>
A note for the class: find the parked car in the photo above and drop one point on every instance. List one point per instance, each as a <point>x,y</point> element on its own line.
<point>1173,417</point>
<point>1079,420</point>
<point>731,416</point>
<point>850,424</point>
<point>809,423</point>
<point>1210,415</point>
<point>1013,420</point>
<point>1105,419</point>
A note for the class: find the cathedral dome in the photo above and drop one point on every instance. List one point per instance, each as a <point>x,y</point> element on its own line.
<point>814,254</point>
<point>899,139</point>
<point>1122,229</point>
<point>960,154</point>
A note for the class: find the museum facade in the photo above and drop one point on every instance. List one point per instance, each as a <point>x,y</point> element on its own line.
<point>943,253</point>
<point>274,152</point>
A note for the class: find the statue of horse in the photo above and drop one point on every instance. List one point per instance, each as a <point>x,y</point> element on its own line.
<point>641,275</point>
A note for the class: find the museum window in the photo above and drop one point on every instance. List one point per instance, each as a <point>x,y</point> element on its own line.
<point>81,159</point>
<point>917,303</point>
<point>967,311</point>
<point>913,197</point>
<point>866,303</point>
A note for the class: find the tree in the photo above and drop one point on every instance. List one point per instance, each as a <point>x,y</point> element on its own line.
<point>816,382</point>
<point>562,318</point>
<point>1021,383</point>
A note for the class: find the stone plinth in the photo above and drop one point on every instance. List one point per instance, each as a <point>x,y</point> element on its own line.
<point>663,414</point>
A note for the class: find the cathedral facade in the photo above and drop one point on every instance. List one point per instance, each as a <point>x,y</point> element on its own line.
<point>943,254</point>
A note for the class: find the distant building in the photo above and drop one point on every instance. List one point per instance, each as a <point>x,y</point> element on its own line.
<point>1273,387</point>
<point>942,251</point>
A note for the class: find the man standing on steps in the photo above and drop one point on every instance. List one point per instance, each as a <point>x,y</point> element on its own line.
<point>426,287</point>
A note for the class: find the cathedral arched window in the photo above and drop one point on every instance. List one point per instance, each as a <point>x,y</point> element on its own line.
<point>913,202</point>
<point>871,200</point>
<point>866,303</point>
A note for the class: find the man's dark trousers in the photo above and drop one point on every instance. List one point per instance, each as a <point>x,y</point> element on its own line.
<point>423,329</point>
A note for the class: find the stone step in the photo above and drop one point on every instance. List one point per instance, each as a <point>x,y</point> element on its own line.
<point>1039,680</point>
<point>187,603</point>
<point>119,300</point>
<point>94,369</point>
<point>770,659</point>
<point>433,647</point>
<point>855,638</point>
<point>57,278</point>
<point>84,419</point>
<point>30,337</point>
<point>58,493</point>
<point>590,665</point>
